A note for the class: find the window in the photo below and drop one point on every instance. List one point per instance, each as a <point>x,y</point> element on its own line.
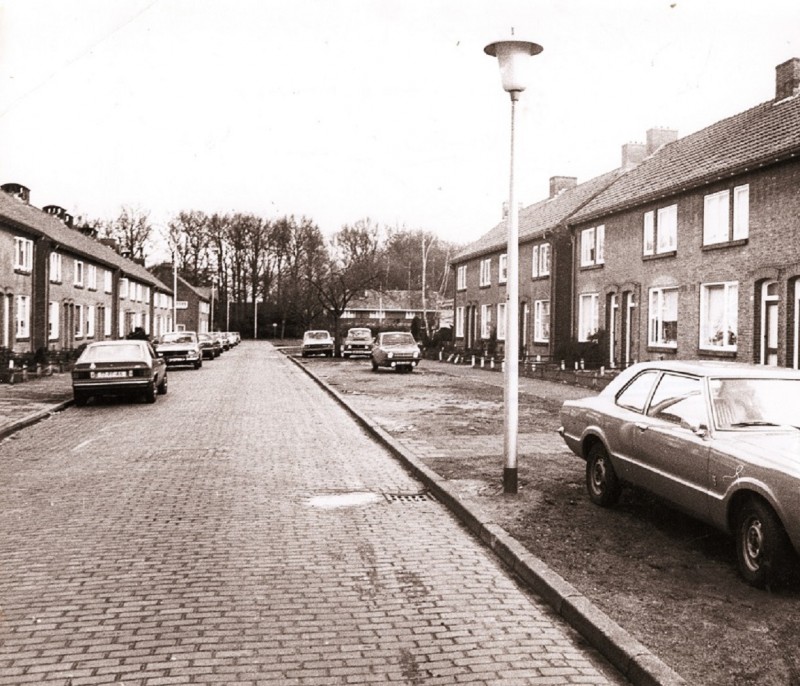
<point>501,321</point>
<point>588,316</point>
<point>107,281</point>
<point>719,320</point>
<point>663,329</point>
<point>540,260</point>
<point>78,273</point>
<point>486,321</point>
<point>459,322</point>
<point>634,395</point>
<point>723,223</point>
<point>593,246</point>
<point>78,321</point>
<point>23,254</point>
<point>461,278</point>
<point>90,321</point>
<point>661,231</point>
<point>53,321</point>
<point>23,316</point>
<point>147,296</point>
<point>91,277</point>
<point>541,321</point>
<point>56,263</point>
<point>486,272</point>
<point>107,321</point>
<point>502,269</point>
<point>678,398</point>
<point>123,288</point>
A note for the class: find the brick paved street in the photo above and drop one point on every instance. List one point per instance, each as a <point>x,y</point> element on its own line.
<point>244,530</point>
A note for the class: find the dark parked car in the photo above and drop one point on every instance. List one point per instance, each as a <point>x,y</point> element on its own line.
<point>180,347</point>
<point>395,350</point>
<point>357,342</point>
<point>720,441</point>
<point>112,368</point>
<point>210,346</point>
<point>317,343</point>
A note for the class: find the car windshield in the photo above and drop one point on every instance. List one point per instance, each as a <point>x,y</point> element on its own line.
<point>113,353</point>
<point>317,335</point>
<point>359,334</point>
<point>397,339</point>
<point>181,337</point>
<point>744,403</point>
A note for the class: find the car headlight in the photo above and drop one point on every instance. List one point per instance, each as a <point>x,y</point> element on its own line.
<point>390,355</point>
<point>416,354</point>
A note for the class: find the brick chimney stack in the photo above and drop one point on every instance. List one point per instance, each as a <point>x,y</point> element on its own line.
<point>657,138</point>
<point>17,190</point>
<point>633,154</point>
<point>562,183</point>
<point>787,79</point>
<point>61,213</point>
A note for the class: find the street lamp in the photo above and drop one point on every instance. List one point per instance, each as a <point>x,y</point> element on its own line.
<point>512,56</point>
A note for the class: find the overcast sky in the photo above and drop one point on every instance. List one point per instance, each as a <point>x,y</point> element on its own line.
<point>343,109</point>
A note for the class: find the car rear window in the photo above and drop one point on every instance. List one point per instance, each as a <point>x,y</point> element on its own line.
<point>113,353</point>
<point>398,339</point>
<point>634,396</point>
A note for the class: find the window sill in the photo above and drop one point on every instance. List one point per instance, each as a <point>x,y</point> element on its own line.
<point>540,277</point>
<point>710,352</point>
<point>726,244</point>
<point>22,270</point>
<point>590,267</point>
<point>659,256</point>
<point>672,349</point>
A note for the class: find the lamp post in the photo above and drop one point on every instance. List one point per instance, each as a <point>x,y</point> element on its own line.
<point>512,56</point>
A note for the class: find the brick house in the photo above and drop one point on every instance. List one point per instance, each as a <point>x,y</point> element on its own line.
<point>60,286</point>
<point>545,272</point>
<point>192,303</point>
<point>392,310</point>
<point>694,252</point>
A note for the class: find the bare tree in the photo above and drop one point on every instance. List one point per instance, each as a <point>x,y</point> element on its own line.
<point>132,232</point>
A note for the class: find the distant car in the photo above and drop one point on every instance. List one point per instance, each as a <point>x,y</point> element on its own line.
<point>395,350</point>
<point>719,441</point>
<point>317,342</point>
<point>357,342</point>
<point>113,368</point>
<point>236,337</point>
<point>222,338</point>
<point>180,347</point>
<point>210,346</point>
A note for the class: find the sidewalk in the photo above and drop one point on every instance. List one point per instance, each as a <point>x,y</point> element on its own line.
<point>27,402</point>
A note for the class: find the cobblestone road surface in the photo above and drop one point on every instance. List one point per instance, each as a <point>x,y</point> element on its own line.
<point>243,530</point>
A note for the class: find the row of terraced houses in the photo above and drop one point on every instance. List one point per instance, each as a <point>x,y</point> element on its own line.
<point>690,249</point>
<point>61,286</point>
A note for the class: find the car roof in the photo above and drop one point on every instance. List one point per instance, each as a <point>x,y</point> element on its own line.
<point>719,368</point>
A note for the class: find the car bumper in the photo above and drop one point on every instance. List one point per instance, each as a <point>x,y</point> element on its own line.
<point>107,387</point>
<point>173,359</point>
<point>395,363</point>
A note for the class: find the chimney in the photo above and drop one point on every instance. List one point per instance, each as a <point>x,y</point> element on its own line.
<point>561,183</point>
<point>17,190</point>
<point>633,154</point>
<point>111,243</point>
<point>61,213</point>
<point>658,138</point>
<point>787,79</point>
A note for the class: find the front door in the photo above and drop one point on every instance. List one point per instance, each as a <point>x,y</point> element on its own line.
<point>769,323</point>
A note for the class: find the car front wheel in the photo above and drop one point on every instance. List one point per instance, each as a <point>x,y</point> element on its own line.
<point>761,543</point>
<point>374,366</point>
<point>601,479</point>
<point>162,387</point>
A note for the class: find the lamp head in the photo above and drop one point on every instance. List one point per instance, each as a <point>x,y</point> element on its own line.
<point>512,55</point>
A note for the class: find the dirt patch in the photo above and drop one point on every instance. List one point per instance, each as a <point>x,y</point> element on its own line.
<point>667,579</point>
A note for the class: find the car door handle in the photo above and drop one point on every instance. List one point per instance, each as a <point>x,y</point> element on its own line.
<point>641,427</point>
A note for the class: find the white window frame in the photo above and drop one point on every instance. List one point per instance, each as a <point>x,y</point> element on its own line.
<point>91,277</point>
<point>108,281</point>
<point>90,320</point>
<point>540,260</point>
<point>123,287</point>
<point>657,310</point>
<point>501,321</point>
<point>22,316</point>
<point>502,269</point>
<point>486,272</point>
<point>461,278</point>
<point>730,317</point>
<point>53,321</point>
<point>588,316</point>
<point>541,321</point>
<point>717,225</point>
<point>593,246</point>
<point>23,254</point>
<point>486,321</point>
<point>459,322</point>
<point>56,267</point>
<point>79,330</point>
<point>107,321</point>
<point>78,272</point>
<point>660,231</point>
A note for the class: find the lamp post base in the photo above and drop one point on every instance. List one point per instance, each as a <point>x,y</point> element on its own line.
<point>510,480</point>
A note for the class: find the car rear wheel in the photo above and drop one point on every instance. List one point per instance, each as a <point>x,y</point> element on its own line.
<point>150,393</point>
<point>601,479</point>
<point>198,364</point>
<point>761,544</point>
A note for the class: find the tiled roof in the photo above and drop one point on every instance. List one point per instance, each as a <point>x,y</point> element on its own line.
<point>542,216</point>
<point>27,217</point>
<point>765,134</point>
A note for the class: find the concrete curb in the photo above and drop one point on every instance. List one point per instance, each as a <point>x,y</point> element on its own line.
<point>33,418</point>
<point>622,650</point>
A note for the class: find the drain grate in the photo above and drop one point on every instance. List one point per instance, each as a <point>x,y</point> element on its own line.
<point>420,497</point>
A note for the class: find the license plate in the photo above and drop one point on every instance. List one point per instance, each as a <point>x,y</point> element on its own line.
<point>110,375</point>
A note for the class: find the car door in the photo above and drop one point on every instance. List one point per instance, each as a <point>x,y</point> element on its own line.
<point>673,459</point>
